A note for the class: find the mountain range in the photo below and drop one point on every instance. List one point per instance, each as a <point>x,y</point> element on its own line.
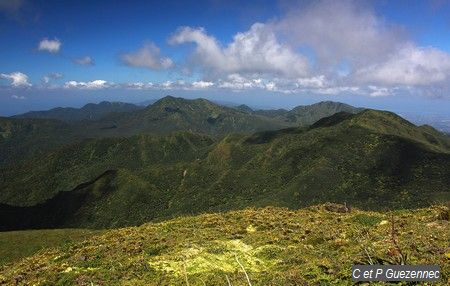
<point>24,136</point>
<point>179,156</point>
<point>90,111</point>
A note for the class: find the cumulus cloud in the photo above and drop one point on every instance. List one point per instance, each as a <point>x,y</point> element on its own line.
<point>312,82</point>
<point>341,30</point>
<point>51,46</point>
<point>17,79</point>
<point>410,65</point>
<point>376,91</point>
<point>138,85</point>
<point>170,85</point>
<point>239,82</point>
<point>95,84</point>
<point>324,47</point>
<point>336,90</point>
<point>349,33</point>
<point>149,56</point>
<point>376,53</point>
<point>202,84</point>
<point>256,51</point>
<point>84,61</point>
<point>55,75</point>
<point>20,97</point>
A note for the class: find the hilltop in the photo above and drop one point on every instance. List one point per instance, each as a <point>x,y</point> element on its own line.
<point>171,114</point>
<point>305,115</point>
<point>272,246</point>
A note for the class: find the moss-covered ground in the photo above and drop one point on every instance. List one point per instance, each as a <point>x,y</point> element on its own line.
<point>273,246</point>
<point>18,244</point>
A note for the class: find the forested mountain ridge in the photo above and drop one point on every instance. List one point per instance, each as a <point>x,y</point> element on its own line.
<point>372,159</point>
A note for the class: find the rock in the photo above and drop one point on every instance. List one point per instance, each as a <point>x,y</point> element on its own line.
<point>443,214</point>
<point>337,208</point>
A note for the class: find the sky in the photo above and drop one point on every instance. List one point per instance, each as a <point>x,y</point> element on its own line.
<point>392,55</point>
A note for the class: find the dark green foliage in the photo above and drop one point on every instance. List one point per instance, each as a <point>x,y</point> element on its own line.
<point>25,138</point>
<point>367,220</point>
<point>372,160</point>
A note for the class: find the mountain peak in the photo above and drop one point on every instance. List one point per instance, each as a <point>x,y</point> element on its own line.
<point>245,108</point>
<point>169,100</point>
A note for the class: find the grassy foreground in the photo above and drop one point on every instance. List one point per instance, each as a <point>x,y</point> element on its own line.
<point>272,246</point>
<point>18,244</point>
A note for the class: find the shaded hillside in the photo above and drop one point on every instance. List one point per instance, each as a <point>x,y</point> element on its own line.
<point>372,160</point>
<point>25,138</point>
<point>39,179</point>
<point>90,111</point>
<point>272,246</point>
<point>57,211</point>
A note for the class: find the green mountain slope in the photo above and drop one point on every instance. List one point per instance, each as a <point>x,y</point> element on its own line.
<point>372,160</point>
<point>23,138</point>
<point>171,114</point>
<point>270,246</point>
<point>33,181</point>
<point>308,114</point>
<point>90,111</point>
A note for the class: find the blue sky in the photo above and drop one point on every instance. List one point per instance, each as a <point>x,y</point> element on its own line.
<point>391,55</point>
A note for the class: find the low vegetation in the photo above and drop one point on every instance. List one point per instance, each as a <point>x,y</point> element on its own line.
<point>18,244</point>
<point>265,246</point>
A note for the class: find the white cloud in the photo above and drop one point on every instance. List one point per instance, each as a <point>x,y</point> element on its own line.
<point>20,97</point>
<point>256,51</point>
<point>95,84</point>
<point>138,85</point>
<point>51,46</point>
<point>410,65</point>
<point>376,91</point>
<point>323,47</point>
<point>149,56</point>
<point>17,79</point>
<point>55,75</point>
<point>336,90</point>
<point>84,61</point>
<point>202,84</point>
<point>350,47</point>
<point>239,82</point>
<point>312,82</point>
<point>340,30</point>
